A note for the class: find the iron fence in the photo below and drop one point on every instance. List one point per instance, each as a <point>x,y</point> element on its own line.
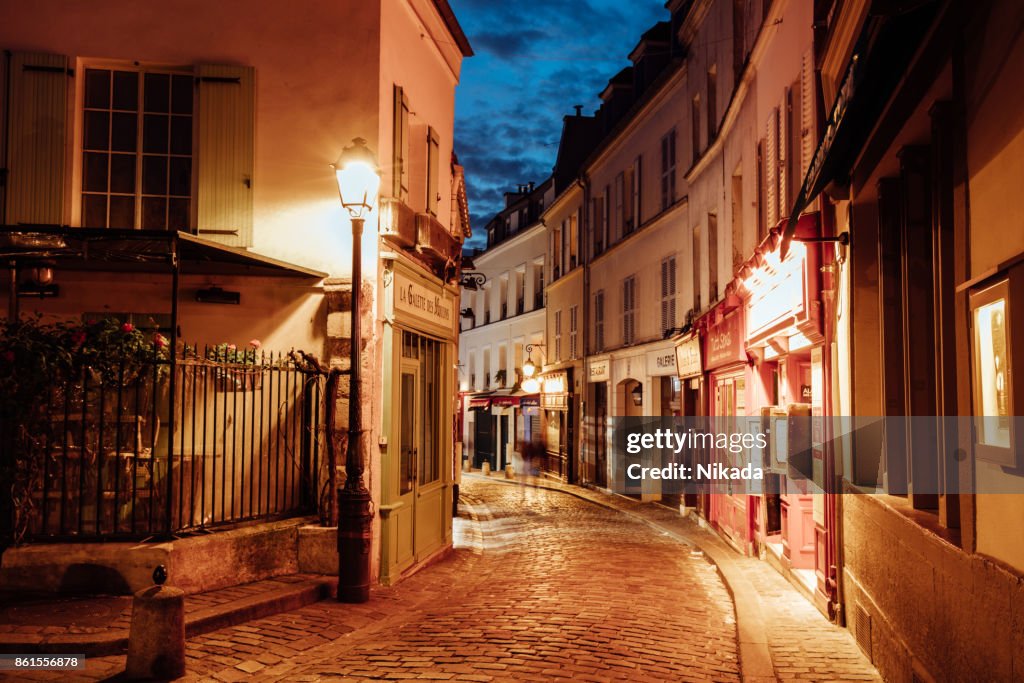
<point>112,456</point>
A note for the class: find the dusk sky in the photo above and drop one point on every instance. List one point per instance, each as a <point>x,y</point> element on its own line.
<point>534,60</point>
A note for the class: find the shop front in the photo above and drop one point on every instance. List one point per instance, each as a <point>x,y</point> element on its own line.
<point>416,445</point>
<point>732,509</point>
<point>689,371</point>
<point>595,462</point>
<point>557,417</point>
<point>783,337</point>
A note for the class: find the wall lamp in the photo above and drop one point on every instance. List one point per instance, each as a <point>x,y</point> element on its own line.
<point>472,281</point>
<point>529,368</point>
<point>638,394</point>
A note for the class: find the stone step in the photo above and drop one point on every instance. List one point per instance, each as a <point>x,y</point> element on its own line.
<point>99,626</point>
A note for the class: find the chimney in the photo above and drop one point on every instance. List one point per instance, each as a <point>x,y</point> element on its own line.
<point>579,109</point>
<point>531,187</point>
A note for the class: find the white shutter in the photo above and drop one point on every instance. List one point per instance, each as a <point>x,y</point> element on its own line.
<point>224,160</point>
<point>638,190</point>
<point>400,145</point>
<point>37,139</point>
<point>771,167</point>
<point>808,136</point>
<point>783,151</point>
<point>433,169</point>
<point>672,291</point>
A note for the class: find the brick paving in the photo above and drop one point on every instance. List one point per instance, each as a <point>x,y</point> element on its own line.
<point>40,617</point>
<point>541,586</point>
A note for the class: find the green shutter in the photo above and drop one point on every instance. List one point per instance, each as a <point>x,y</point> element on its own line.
<point>224,156</point>
<point>37,139</point>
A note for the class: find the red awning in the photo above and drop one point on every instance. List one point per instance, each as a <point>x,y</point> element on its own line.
<point>481,402</point>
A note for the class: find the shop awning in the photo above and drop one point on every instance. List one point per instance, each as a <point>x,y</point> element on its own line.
<point>479,402</point>
<point>885,48</point>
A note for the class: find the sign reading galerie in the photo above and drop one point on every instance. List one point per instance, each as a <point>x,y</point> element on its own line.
<point>417,300</point>
<point>688,358</point>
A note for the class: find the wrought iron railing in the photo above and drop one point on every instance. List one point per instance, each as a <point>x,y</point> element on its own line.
<point>111,457</point>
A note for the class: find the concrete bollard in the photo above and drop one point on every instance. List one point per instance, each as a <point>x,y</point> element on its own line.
<point>510,472</point>
<point>156,642</point>
<point>485,468</point>
<point>467,465</point>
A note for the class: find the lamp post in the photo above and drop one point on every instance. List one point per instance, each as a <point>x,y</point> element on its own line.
<point>358,182</point>
<point>531,384</point>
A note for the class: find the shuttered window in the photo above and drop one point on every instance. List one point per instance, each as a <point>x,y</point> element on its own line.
<point>771,164</point>
<point>137,149</point>
<point>400,146</point>
<point>695,268</point>
<point>668,294</point>
<point>597,216</point>
<point>638,168</point>
<point>785,175</point>
<point>668,169</point>
<point>629,310</point>
<point>433,168</point>
<point>573,330</point>
<point>599,320</point>
<point>36,139</point>
<point>558,336</point>
<point>807,120</point>
<point>224,154</point>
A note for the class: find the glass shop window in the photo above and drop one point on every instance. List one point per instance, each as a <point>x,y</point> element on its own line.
<point>992,377</point>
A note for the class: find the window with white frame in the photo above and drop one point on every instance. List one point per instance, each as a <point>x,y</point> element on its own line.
<point>599,320</point>
<point>668,169</point>
<point>137,149</point>
<point>573,327</point>
<point>629,310</point>
<point>668,294</point>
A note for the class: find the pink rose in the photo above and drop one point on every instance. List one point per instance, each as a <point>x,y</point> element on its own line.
<point>232,347</point>
<point>255,343</point>
<point>160,341</point>
<point>78,337</point>
<point>9,356</point>
<point>127,327</point>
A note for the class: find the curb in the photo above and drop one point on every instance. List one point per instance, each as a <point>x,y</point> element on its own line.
<point>197,623</point>
<point>756,663</point>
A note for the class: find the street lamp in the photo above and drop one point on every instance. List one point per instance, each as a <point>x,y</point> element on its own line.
<point>638,394</point>
<point>358,182</point>
<point>529,369</point>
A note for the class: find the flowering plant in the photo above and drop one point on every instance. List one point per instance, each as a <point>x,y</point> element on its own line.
<point>230,353</point>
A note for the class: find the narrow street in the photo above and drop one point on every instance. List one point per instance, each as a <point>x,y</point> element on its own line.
<point>542,585</point>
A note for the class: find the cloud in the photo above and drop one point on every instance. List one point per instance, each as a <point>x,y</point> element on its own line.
<point>507,44</point>
<point>535,60</point>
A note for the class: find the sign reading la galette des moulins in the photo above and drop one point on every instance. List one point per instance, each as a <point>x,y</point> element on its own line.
<point>416,299</point>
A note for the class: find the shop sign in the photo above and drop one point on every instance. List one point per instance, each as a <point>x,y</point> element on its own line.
<point>554,383</point>
<point>414,299</point>
<point>505,401</point>
<point>778,292</point>
<point>597,371</point>
<point>531,401</point>
<point>661,363</point>
<point>688,358</point>
<point>724,342</point>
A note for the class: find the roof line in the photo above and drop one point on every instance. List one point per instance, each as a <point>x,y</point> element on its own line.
<point>453,26</point>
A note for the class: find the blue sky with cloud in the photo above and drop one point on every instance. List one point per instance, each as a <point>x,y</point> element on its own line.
<point>534,60</point>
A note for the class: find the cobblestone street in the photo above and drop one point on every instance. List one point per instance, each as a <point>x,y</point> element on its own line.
<point>541,586</point>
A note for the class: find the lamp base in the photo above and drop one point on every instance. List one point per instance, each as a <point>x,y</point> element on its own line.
<point>355,539</point>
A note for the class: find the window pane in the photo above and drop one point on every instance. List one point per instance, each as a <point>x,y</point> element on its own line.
<point>94,211</point>
<point>122,173</point>
<point>154,210</point>
<point>154,175</point>
<point>154,134</point>
<point>993,379</point>
<point>181,94</point>
<point>94,172</point>
<point>126,90</point>
<point>97,88</point>
<point>157,93</point>
<point>122,212</point>
<point>97,129</point>
<point>123,132</point>
<point>181,177</point>
<point>178,214</point>
<point>181,135</point>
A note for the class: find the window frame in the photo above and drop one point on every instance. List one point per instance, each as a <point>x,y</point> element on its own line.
<point>80,107</point>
